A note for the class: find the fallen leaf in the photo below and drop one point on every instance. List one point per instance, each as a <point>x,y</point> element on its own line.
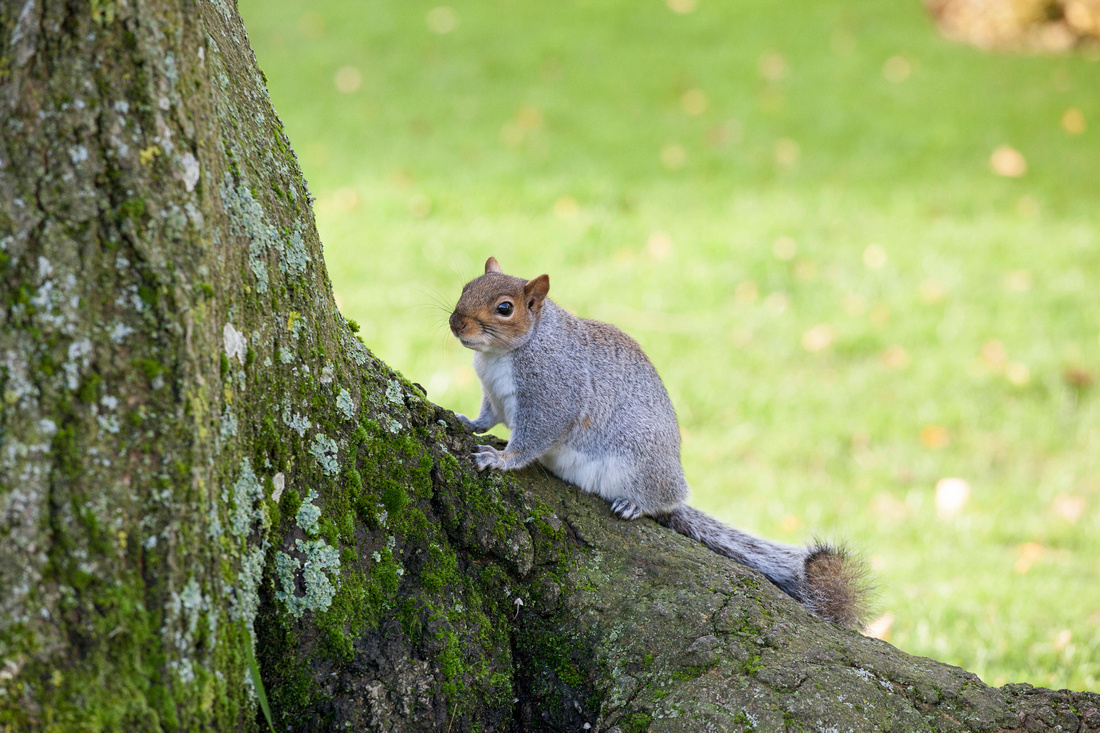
<point>854,304</point>
<point>777,302</point>
<point>565,207</point>
<point>694,102</point>
<point>805,270</point>
<point>952,494</point>
<point>896,69</point>
<point>345,200</point>
<point>1008,162</point>
<point>681,6</point>
<point>1069,508</point>
<point>1018,281</point>
<point>773,66</point>
<point>880,315</point>
<point>931,291</point>
<point>1027,555</point>
<point>818,338</point>
<point>994,355</point>
<point>746,292</point>
<point>673,156</point>
<point>442,20</point>
<point>874,256</point>
<point>785,248</point>
<point>787,152</point>
<point>1073,121</point>
<point>935,436</point>
<point>886,506</point>
<point>1078,377</point>
<point>420,205</point>
<point>659,245</point>
<point>347,79</point>
<point>895,357</point>
<point>1018,373</point>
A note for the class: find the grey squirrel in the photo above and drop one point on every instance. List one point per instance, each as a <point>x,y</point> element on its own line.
<point>582,399</point>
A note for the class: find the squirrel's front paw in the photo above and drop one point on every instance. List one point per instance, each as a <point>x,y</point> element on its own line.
<point>623,509</point>
<point>486,456</point>
<point>471,424</point>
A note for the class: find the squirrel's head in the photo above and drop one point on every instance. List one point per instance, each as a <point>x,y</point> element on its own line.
<point>496,310</point>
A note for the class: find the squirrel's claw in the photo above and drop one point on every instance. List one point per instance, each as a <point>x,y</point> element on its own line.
<point>623,509</point>
<point>486,456</point>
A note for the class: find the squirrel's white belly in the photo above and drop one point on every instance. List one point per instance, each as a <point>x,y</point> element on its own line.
<point>498,383</point>
<point>605,476</point>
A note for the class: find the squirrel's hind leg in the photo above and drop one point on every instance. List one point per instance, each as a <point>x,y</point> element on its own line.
<point>625,509</point>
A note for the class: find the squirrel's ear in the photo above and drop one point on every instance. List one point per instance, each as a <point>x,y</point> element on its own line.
<point>491,265</point>
<point>535,291</point>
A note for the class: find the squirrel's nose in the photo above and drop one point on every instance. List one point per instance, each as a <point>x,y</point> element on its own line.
<point>458,324</point>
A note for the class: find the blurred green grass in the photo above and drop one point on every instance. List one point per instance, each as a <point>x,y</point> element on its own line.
<point>791,206</point>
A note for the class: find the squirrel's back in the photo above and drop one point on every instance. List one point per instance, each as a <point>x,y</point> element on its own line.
<point>621,440</point>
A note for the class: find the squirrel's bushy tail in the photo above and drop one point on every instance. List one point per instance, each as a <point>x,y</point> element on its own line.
<point>824,578</point>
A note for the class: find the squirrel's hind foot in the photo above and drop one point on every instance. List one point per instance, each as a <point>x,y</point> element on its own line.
<point>623,509</point>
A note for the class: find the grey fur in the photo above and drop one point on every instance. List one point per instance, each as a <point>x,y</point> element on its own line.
<point>587,404</point>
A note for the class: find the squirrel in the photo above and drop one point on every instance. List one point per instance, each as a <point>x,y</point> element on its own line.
<point>582,399</point>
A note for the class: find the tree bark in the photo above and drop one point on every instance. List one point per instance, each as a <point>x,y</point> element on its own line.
<point>200,464</point>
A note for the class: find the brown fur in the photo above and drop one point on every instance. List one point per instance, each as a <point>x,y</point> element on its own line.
<point>476,319</point>
<point>837,586</point>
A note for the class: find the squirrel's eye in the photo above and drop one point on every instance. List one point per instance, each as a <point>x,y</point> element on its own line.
<point>505,308</point>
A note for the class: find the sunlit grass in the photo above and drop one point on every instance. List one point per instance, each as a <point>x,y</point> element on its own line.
<point>800,212</point>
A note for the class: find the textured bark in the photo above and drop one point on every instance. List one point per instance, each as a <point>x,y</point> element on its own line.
<point>200,463</point>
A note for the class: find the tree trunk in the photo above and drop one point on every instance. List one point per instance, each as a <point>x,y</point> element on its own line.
<point>200,465</point>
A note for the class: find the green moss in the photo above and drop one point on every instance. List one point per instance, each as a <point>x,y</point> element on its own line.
<point>68,455</point>
<point>133,209</point>
<point>224,366</point>
<point>148,294</point>
<point>752,665</point>
<point>274,512</point>
<point>689,673</point>
<point>440,570</point>
<point>353,326</point>
<point>150,367</point>
<point>636,723</point>
<point>290,503</point>
<point>329,530</point>
<point>394,499</point>
<point>89,389</point>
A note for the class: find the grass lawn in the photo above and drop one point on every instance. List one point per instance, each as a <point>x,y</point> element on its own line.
<point>794,208</point>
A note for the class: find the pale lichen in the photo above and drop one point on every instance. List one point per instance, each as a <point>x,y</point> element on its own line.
<point>325,450</point>
<point>308,514</point>
<point>345,404</point>
<point>319,568</point>
<point>246,493</point>
<point>296,422</point>
<point>236,344</point>
<point>394,393</point>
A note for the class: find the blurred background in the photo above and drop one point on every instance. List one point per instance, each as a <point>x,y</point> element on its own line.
<point>864,258</point>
